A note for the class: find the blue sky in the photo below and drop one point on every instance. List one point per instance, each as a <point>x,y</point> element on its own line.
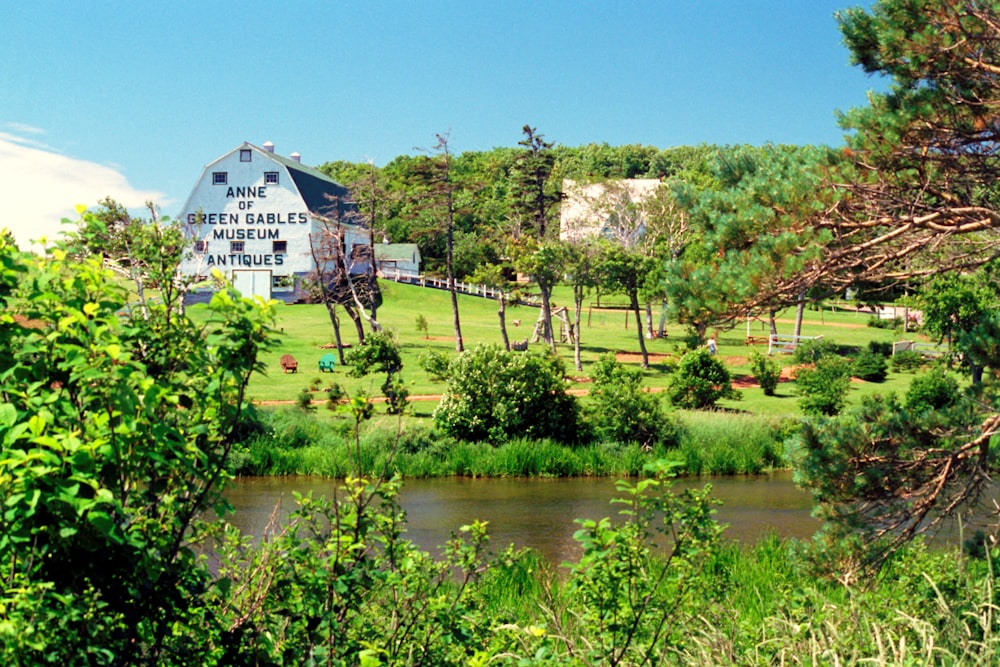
<point>133,99</point>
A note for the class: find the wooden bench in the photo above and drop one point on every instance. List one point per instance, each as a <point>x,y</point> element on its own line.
<point>757,340</point>
<point>288,364</point>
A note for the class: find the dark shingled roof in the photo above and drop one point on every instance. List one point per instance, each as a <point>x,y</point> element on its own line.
<point>322,195</point>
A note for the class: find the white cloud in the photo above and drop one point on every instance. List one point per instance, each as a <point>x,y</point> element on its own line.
<point>41,187</point>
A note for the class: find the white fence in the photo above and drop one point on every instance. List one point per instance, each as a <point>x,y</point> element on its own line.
<point>924,349</point>
<point>786,343</point>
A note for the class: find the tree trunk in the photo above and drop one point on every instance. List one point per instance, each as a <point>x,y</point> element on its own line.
<point>459,344</point>
<point>774,323</point>
<point>546,293</point>
<point>800,312</point>
<point>578,303</point>
<point>642,334</point>
<point>331,309</point>
<point>649,321</point>
<point>502,315</point>
<point>358,324</point>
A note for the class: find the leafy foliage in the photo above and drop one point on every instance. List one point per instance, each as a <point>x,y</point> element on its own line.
<point>700,380</point>
<point>823,389</point>
<point>380,353</point>
<point>622,412</point>
<point>906,360</point>
<point>435,364</point>
<point>933,390</point>
<point>765,371</point>
<point>115,433</point>
<point>870,366</point>
<point>493,395</point>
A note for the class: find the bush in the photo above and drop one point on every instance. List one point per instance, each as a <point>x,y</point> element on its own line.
<point>932,390</point>
<point>877,322</point>
<point>811,351</point>
<point>823,389</point>
<point>622,412</point>
<point>883,347</point>
<point>493,395</point>
<point>870,366</point>
<point>699,381</point>
<point>906,360</point>
<point>765,371</point>
<point>435,364</point>
<point>304,400</point>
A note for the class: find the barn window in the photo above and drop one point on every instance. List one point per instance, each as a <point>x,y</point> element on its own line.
<point>220,177</point>
<point>270,178</point>
<point>201,246</point>
<point>235,246</point>
<point>279,247</point>
<point>244,155</point>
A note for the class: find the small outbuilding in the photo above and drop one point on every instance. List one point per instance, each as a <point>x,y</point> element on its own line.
<point>398,261</point>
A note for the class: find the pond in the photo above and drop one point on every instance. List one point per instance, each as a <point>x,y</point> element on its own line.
<point>538,513</point>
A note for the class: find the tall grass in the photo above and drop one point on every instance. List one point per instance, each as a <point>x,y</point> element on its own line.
<point>765,606</point>
<point>721,443</point>
<point>293,442</point>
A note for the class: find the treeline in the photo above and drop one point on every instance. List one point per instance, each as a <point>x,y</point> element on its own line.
<point>484,192</point>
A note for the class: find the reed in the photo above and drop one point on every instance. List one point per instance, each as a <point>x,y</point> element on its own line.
<point>293,442</point>
<point>721,443</point>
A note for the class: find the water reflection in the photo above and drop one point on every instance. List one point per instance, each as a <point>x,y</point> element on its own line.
<point>537,513</point>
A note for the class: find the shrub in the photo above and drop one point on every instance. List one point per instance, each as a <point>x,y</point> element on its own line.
<point>811,351</point>
<point>304,400</point>
<point>870,366</point>
<point>435,364</point>
<point>823,389</point>
<point>622,412</point>
<point>877,322</point>
<point>883,347</point>
<point>932,390</point>
<point>700,380</point>
<point>493,394</point>
<point>335,395</point>
<point>906,360</point>
<point>765,371</point>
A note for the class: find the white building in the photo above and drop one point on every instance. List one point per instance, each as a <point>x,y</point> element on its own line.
<point>610,209</point>
<point>398,261</point>
<point>257,216</point>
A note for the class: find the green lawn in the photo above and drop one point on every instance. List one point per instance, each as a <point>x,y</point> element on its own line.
<point>306,328</point>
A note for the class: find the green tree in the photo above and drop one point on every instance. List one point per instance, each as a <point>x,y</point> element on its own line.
<point>534,199</point>
<point>581,258</point>
<point>115,431</point>
<point>380,353</point>
<point>919,197</point>
<point>494,277</point>
<point>823,389</point>
<point>953,306</point>
<point>752,234</point>
<point>441,193</point>
<point>622,269</point>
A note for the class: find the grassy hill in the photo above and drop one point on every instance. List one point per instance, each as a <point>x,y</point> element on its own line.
<point>305,329</point>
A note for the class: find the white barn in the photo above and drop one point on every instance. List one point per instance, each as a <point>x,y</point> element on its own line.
<point>255,216</point>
